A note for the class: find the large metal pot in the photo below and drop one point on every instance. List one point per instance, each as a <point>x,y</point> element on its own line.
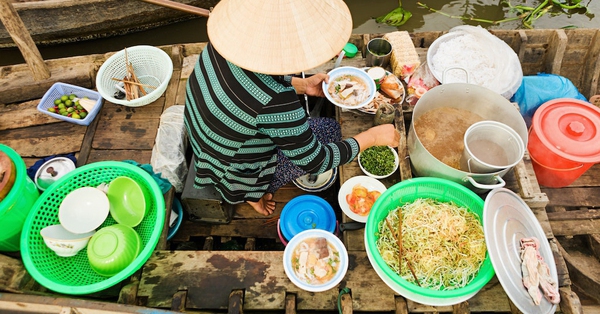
<point>474,98</point>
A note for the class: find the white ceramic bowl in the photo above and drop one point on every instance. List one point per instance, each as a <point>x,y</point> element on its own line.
<point>333,242</point>
<point>63,242</point>
<point>83,210</point>
<point>371,184</point>
<point>337,72</point>
<point>396,163</point>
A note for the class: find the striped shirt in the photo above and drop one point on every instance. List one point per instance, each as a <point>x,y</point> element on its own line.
<point>236,119</point>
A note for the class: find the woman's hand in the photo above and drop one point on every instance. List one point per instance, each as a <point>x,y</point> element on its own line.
<point>311,85</point>
<point>384,134</point>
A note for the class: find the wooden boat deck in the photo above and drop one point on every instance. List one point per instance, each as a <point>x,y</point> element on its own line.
<point>198,270</point>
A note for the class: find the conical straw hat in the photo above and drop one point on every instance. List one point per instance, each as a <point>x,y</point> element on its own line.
<point>279,36</point>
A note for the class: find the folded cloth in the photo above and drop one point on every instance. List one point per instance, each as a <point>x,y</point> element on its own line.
<point>163,184</point>
<point>31,171</point>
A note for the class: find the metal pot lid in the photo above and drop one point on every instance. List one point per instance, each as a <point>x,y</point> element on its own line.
<point>506,220</point>
<point>323,181</point>
<point>306,212</point>
<point>570,128</point>
<point>52,170</point>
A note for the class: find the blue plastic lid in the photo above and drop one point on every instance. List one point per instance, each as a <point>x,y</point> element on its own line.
<point>306,212</point>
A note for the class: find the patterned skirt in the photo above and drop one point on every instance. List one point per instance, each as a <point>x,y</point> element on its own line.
<point>327,130</point>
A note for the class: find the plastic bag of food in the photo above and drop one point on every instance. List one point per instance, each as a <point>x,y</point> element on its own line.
<point>535,90</point>
<point>420,82</point>
<point>168,154</point>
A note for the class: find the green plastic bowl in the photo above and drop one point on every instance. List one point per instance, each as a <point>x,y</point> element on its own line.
<point>112,249</point>
<point>407,191</point>
<point>127,201</point>
<point>74,275</point>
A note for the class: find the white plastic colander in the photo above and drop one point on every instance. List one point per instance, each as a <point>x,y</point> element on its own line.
<point>151,65</point>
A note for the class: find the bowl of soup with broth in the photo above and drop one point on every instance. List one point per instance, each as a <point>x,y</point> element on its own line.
<point>315,260</point>
<point>349,87</point>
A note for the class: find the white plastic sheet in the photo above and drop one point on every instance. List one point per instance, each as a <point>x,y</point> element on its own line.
<point>168,154</point>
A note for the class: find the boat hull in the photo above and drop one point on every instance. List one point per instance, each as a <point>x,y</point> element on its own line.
<point>62,21</point>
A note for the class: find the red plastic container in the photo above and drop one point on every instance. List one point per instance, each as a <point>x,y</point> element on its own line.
<point>564,141</point>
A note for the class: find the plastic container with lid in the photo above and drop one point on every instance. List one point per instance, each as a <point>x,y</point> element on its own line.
<point>564,141</point>
<point>303,213</point>
<point>17,204</point>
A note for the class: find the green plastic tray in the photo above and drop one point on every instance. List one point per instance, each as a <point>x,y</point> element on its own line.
<point>73,275</point>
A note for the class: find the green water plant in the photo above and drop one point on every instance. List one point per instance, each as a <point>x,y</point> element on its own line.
<point>527,14</point>
<point>396,17</point>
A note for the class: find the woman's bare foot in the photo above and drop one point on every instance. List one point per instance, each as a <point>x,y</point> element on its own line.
<point>265,204</point>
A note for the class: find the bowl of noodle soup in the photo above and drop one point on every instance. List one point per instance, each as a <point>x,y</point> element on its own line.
<point>315,260</point>
<point>451,263</point>
<point>349,87</point>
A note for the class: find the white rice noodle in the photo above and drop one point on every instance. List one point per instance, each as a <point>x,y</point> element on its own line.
<point>466,52</point>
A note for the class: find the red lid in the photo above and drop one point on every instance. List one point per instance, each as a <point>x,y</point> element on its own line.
<point>570,128</point>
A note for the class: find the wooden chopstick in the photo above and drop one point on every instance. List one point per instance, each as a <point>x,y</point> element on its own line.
<point>412,271</point>
<point>133,83</point>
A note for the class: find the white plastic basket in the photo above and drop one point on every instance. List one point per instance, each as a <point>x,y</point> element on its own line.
<point>151,65</point>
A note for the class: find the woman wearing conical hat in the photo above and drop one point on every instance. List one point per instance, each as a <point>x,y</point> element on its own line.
<point>248,129</point>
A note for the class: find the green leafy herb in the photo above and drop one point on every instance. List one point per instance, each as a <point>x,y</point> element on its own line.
<point>378,160</point>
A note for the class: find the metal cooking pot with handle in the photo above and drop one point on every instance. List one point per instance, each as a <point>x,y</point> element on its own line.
<point>476,99</point>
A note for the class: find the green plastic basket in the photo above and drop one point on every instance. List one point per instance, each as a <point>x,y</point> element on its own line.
<point>407,191</point>
<point>73,275</point>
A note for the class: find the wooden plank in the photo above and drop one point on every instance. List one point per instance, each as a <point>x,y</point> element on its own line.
<point>193,49</point>
<point>112,112</point>
<point>25,114</point>
<point>18,31</point>
<point>12,273</point>
<point>86,145</point>
<point>569,302</point>
<point>23,303</point>
<point>126,134</point>
<point>290,303</point>
<point>209,278</point>
<point>236,302</point>
<point>141,156</point>
<point>346,303</point>
<point>574,222</point>
<point>18,84</point>
<point>591,72</point>
<point>556,51</point>
<point>404,165</point>
<point>256,228</point>
<point>589,178</point>
<point>45,140</point>
<point>584,270</point>
<point>173,88</point>
<point>573,197</point>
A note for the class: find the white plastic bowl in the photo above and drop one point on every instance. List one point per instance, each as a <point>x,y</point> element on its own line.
<point>331,239</point>
<point>63,242</point>
<point>335,73</point>
<point>396,163</point>
<point>369,183</point>
<point>83,210</point>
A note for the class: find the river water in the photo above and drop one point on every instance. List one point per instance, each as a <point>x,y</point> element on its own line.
<point>363,13</point>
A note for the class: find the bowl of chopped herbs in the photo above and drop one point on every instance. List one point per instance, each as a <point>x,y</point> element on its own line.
<point>378,161</point>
